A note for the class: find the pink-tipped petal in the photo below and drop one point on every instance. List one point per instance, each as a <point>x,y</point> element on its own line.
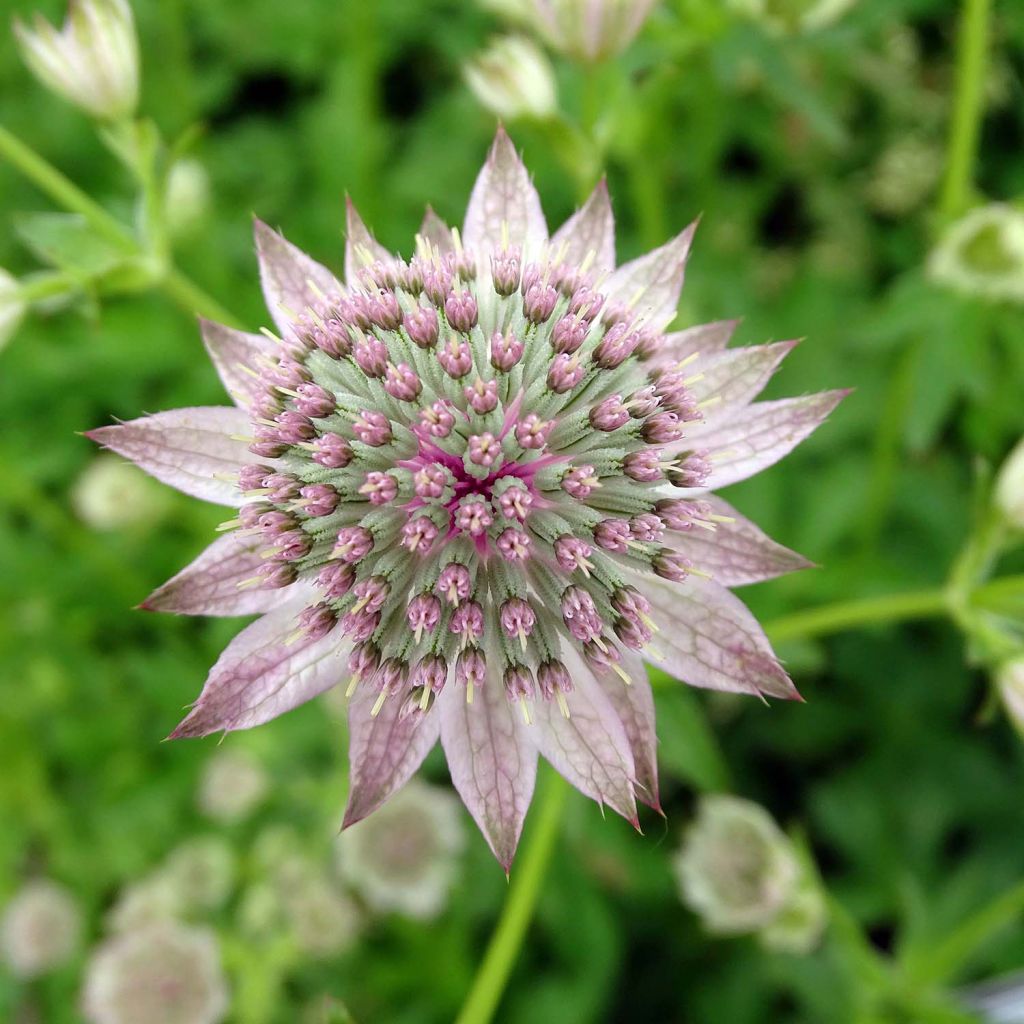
<point>193,450</point>
<point>264,672</point>
<point>361,248</point>
<point>504,208</point>
<point>765,433</point>
<point>234,354</point>
<point>634,704</point>
<point>291,280</point>
<point>590,748</point>
<point>706,637</point>
<point>210,584</point>
<point>435,231</point>
<point>589,232</point>
<point>738,552</point>
<point>651,284</point>
<point>492,760</point>
<point>702,339</point>
<point>383,750</point>
<point>731,380</point>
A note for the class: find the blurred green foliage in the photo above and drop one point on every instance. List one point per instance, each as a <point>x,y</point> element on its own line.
<point>813,162</point>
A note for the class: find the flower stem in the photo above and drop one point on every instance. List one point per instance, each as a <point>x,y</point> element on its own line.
<point>968,104</point>
<point>63,191</point>
<point>524,889</point>
<point>831,618</point>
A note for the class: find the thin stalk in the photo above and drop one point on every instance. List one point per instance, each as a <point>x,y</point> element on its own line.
<point>831,618</point>
<point>500,957</point>
<point>968,107</point>
<point>64,192</point>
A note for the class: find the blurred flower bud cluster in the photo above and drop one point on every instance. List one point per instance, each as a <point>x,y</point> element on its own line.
<point>743,875</point>
<point>983,254</point>
<point>792,16</point>
<point>232,785</point>
<point>513,78</point>
<point>12,309</point>
<point>111,494</point>
<point>40,929</point>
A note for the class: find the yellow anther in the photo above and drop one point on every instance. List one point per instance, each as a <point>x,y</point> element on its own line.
<point>524,708</point>
<point>562,704</point>
<point>353,683</point>
<point>375,710</point>
<point>622,673</point>
<point>424,698</point>
<point>689,359</point>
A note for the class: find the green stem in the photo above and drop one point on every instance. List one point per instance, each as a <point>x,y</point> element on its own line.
<point>63,191</point>
<point>968,106</point>
<point>524,888</point>
<point>831,618</point>
<point>45,286</point>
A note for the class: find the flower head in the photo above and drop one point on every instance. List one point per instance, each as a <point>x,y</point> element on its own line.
<point>741,873</point>
<point>983,254</point>
<point>39,929</point>
<point>111,494</point>
<point>232,785</point>
<point>403,859</point>
<point>165,972</point>
<point>92,62</point>
<point>589,30</point>
<point>483,555</point>
<point>513,78</point>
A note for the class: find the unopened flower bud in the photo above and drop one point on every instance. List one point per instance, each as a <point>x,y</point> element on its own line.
<point>513,78</point>
<point>1009,491</point>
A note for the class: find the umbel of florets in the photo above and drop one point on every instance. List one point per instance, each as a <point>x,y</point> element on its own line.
<point>473,488</point>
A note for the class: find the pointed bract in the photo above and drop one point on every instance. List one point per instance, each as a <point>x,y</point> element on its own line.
<point>589,234</point>
<point>264,672</point>
<point>492,759</point>
<point>238,357</point>
<point>361,248</point>
<point>724,383</point>
<point>504,208</point>
<point>223,580</point>
<point>590,748</point>
<point>194,450</point>
<point>703,339</point>
<point>436,232</point>
<point>738,552</point>
<point>651,285</point>
<point>763,435</point>
<point>292,281</point>
<point>708,638</point>
<point>384,750</point>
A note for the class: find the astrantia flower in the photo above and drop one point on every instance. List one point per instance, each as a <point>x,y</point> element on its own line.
<point>476,485</point>
<point>232,786</point>
<point>590,29</point>
<point>165,972</point>
<point>513,78</point>
<point>39,929</point>
<point>404,858</point>
<point>983,254</point>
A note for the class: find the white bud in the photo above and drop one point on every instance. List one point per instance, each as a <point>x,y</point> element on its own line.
<point>187,198</point>
<point>202,873</point>
<point>1010,683</point>
<point>404,857</point>
<point>12,309</point>
<point>790,16</point>
<point>591,30</point>
<point>799,925</point>
<point>1009,492</point>
<point>983,254</point>
<point>513,78</point>
<point>736,868</point>
<point>40,929</point>
<point>113,494</point>
<point>232,785</point>
<point>322,919</point>
<point>92,62</point>
<point>166,972</point>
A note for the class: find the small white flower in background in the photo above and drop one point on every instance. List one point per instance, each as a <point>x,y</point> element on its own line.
<point>167,972</point>
<point>513,78</point>
<point>1009,493</point>
<point>112,494</point>
<point>145,902</point>
<point>232,786</point>
<point>793,15</point>
<point>187,197</point>
<point>741,873</point>
<point>590,30</point>
<point>1010,682</point>
<point>202,872</point>
<point>322,919</point>
<point>983,254</point>
<point>92,62</point>
<point>40,929</point>
<point>12,309</point>
<point>903,176</point>
<point>404,857</point>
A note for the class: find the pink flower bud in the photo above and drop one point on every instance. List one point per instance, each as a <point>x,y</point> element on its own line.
<point>332,451</point>
<point>506,351</point>
<point>372,428</point>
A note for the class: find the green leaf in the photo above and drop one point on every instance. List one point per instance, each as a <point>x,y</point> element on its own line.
<point>67,241</point>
